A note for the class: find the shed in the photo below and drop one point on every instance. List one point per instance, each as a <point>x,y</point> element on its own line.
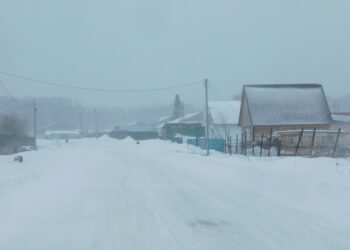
<point>283,107</point>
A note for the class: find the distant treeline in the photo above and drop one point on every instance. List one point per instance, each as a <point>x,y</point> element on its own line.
<point>51,110</point>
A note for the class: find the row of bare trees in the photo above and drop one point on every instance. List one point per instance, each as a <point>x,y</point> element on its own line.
<point>12,125</point>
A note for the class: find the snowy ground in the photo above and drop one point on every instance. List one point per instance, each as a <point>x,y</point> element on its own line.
<point>109,194</point>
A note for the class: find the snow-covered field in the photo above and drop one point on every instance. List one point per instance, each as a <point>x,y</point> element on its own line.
<point>109,194</point>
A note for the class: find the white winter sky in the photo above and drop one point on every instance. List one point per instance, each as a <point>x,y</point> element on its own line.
<point>135,44</point>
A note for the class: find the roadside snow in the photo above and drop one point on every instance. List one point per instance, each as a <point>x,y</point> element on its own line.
<point>110,194</point>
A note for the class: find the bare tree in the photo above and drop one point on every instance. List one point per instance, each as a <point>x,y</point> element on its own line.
<point>178,110</point>
<point>225,125</point>
<point>12,125</point>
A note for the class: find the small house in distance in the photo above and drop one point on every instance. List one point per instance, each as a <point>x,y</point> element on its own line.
<point>136,130</point>
<point>189,125</point>
<point>223,119</point>
<point>283,107</point>
<point>161,122</point>
<point>59,130</point>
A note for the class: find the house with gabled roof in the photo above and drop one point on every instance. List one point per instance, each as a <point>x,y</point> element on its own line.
<point>188,125</point>
<point>283,107</point>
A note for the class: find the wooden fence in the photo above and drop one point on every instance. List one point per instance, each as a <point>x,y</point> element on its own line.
<point>308,143</point>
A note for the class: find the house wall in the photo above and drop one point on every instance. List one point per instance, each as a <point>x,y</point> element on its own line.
<point>245,121</point>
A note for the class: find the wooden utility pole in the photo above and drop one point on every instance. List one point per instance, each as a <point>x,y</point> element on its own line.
<point>206,115</point>
<point>35,124</point>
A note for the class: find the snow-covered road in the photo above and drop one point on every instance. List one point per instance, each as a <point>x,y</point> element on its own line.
<point>109,194</point>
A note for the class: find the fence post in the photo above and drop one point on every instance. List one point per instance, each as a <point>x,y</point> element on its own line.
<point>336,143</point>
<point>237,144</point>
<point>312,142</point>
<point>242,143</point>
<point>230,145</point>
<point>299,141</point>
<point>270,143</point>
<point>225,145</point>
<point>245,142</point>
<point>253,153</point>
<point>262,141</point>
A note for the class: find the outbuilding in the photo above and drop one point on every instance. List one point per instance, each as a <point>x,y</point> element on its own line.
<point>281,107</point>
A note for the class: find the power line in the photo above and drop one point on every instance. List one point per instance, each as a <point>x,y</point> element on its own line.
<point>63,85</point>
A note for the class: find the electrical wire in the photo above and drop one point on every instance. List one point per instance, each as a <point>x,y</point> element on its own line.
<point>63,85</point>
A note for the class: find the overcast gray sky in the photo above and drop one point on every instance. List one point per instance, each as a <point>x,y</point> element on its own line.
<point>157,43</point>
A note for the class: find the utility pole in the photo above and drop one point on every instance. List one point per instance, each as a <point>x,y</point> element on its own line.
<point>96,128</point>
<point>35,125</point>
<point>206,115</point>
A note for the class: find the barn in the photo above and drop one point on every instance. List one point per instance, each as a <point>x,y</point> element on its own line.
<point>281,107</point>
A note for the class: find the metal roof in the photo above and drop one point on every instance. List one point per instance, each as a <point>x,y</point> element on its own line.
<point>287,104</point>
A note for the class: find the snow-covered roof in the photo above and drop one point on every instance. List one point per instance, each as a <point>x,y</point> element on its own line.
<point>164,119</point>
<point>224,112</point>
<point>343,118</point>
<point>190,118</point>
<point>137,127</point>
<point>287,104</point>
<point>62,132</point>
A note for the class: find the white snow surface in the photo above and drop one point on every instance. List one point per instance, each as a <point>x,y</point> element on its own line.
<point>110,194</point>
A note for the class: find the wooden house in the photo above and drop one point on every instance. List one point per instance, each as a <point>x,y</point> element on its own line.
<point>136,130</point>
<point>282,107</point>
<point>190,125</point>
